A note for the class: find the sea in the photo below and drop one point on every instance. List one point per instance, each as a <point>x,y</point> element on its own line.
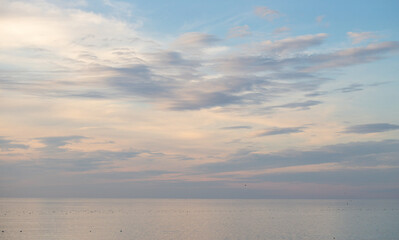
<point>198,219</point>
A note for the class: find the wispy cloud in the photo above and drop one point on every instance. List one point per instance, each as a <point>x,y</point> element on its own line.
<point>281,30</point>
<point>280,131</point>
<point>371,128</point>
<point>296,105</point>
<point>267,13</point>
<point>320,18</point>
<point>351,56</point>
<point>295,43</point>
<point>236,127</point>
<point>239,31</point>
<point>199,100</point>
<point>358,37</point>
<point>359,154</point>
<point>351,88</point>
<point>195,39</point>
<point>6,144</point>
<point>54,143</point>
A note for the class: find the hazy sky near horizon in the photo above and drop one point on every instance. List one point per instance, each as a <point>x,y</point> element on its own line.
<point>212,99</point>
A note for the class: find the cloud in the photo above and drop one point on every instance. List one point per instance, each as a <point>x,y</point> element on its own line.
<point>250,64</point>
<point>122,63</point>
<point>139,80</point>
<point>44,24</point>
<point>352,164</point>
<point>317,94</point>
<point>6,145</point>
<point>294,44</point>
<point>89,75</point>
<point>76,161</point>
<point>349,57</point>
<point>265,12</point>
<point>171,59</point>
<point>296,105</point>
<point>371,128</point>
<point>351,88</point>
<point>199,100</point>
<point>279,131</point>
<point>236,127</point>
<point>281,30</point>
<point>56,159</point>
<point>73,161</point>
<point>69,155</point>
<point>355,154</point>
<point>239,31</point>
<point>303,62</point>
<point>120,7</point>
<point>358,37</point>
<point>320,18</point>
<point>142,175</point>
<point>54,143</point>
<point>195,39</point>
<point>354,87</point>
<point>357,177</point>
<point>216,92</point>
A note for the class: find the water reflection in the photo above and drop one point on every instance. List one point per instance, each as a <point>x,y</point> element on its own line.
<point>88,219</point>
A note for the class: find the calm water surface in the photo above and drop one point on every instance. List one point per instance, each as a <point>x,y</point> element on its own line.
<point>192,219</point>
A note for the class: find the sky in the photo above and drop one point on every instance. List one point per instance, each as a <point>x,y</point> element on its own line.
<point>199,99</point>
